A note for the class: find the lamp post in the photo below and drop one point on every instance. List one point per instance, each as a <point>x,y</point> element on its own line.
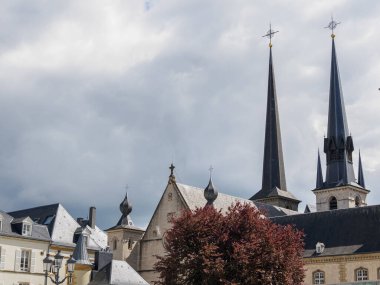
<point>52,266</point>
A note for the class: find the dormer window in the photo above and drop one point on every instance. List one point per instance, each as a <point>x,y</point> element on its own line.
<point>319,247</point>
<point>26,229</point>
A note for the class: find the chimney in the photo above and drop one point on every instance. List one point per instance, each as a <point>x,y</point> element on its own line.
<point>92,217</point>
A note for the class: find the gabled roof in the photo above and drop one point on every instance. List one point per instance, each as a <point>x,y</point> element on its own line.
<point>118,273</point>
<point>345,231</point>
<point>194,198</point>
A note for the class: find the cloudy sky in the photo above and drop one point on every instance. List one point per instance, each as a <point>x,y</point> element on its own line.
<point>95,95</point>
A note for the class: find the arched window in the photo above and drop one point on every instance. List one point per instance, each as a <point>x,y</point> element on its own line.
<point>357,201</point>
<point>333,203</point>
<point>114,244</point>
<point>318,277</point>
<point>361,274</point>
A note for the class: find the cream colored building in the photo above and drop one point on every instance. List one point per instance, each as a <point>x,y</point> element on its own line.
<point>23,246</point>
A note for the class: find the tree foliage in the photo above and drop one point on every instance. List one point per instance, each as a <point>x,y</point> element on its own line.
<point>241,246</point>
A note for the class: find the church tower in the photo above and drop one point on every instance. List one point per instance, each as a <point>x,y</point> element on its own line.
<point>273,190</point>
<point>124,238</point>
<point>340,189</point>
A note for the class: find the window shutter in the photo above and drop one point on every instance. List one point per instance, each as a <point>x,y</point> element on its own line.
<point>32,261</point>
<point>18,260</point>
<point>2,258</point>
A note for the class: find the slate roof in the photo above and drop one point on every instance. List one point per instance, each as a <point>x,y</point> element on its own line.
<point>117,273</point>
<point>39,232</point>
<point>62,225</point>
<point>194,198</point>
<point>345,231</point>
<point>39,214</point>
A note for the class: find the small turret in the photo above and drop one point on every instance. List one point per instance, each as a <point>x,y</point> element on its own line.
<point>319,183</point>
<point>360,173</point>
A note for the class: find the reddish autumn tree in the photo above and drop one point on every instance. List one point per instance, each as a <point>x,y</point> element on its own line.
<point>238,247</point>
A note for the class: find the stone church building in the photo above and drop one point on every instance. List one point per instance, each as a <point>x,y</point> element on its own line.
<point>342,233</point>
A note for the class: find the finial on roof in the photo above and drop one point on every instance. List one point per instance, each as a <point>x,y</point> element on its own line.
<point>210,191</point>
<point>172,177</point>
<point>125,206</point>
<point>270,34</point>
<point>360,172</point>
<point>332,25</point>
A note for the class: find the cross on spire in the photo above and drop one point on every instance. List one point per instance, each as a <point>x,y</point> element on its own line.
<point>211,169</point>
<point>332,25</point>
<point>270,34</point>
<point>171,170</point>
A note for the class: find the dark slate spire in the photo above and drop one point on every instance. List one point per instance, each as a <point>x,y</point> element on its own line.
<point>319,183</point>
<point>273,189</point>
<point>210,191</point>
<point>273,163</point>
<point>360,173</point>
<point>338,145</point>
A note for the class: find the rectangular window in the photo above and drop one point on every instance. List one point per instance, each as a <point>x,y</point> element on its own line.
<point>26,229</point>
<point>319,277</point>
<point>23,283</point>
<point>25,260</point>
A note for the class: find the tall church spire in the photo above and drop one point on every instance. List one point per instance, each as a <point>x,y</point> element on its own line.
<point>273,180</point>
<point>340,190</point>
<point>338,144</point>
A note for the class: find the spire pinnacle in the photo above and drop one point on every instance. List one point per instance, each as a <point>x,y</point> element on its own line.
<point>360,172</point>
<point>319,183</point>
<point>270,34</point>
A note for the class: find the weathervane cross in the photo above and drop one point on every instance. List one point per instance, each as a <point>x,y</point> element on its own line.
<point>270,34</point>
<point>332,25</point>
<point>211,169</point>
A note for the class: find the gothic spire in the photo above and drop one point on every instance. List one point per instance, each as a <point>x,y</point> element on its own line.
<point>273,189</point>
<point>273,162</point>
<point>338,144</point>
<point>360,173</point>
<point>319,183</point>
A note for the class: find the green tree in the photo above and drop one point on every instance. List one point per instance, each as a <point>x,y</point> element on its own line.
<point>241,246</point>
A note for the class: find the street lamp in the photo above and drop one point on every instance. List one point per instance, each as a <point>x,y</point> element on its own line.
<point>52,266</point>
